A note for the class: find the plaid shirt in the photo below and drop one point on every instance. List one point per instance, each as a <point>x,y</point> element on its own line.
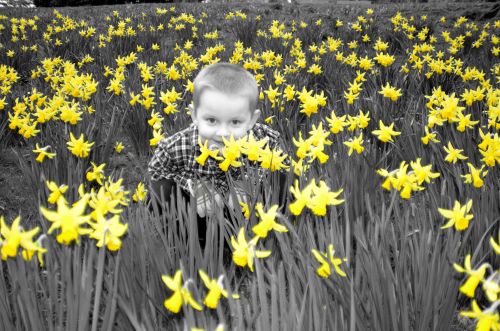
<point>174,159</point>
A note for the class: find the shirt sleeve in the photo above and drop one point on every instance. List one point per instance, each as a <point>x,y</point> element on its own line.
<point>273,135</point>
<point>167,163</point>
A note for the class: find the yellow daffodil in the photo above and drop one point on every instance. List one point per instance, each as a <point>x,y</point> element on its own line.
<point>337,124</point>
<point>272,159</point>
<point>319,136</point>
<point>28,130</point>
<point>489,148</point>
<point>69,220</point>
<point>457,216</point>
<point>231,153</point>
<point>108,232</point>
<point>322,197</point>
<point>97,173</point>
<point>115,191</point>
<point>134,98</point>
<point>43,152</point>
<point>429,136</point>
<point>206,152</point>
<point>289,92</point>
<point>385,133</point>
<point>475,276</point>
<point>253,148</point>
<point>181,293</point>
<point>325,259</point>
<point>140,193</point>
<point>118,147</point>
<point>324,269</point>
<point>475,177</point>
<point>301,198</point>
<point>453,154</point>
<point>464,122</point>
<point>303,146</point>
<point>56,192</point>
<point>79,147</point>
<point>267,221</point>
<point>272,94</point>
<point>245,209</point>
<point>363,119</point>
<point>384,59</point>
<point>390,92</point>
<point>423,173</point>
<point>215,290</point>
<point>317,152</point>
<point>157,136</point>
<point>244,251</point>
<point>405,182</point>
<point>350,97</point>
<point>355,144</point>
<point>487,319</point>
<point>299,167</point>
<point>103,203</point>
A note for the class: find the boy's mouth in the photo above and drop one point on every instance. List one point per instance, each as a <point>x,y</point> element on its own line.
<point>213,144</point>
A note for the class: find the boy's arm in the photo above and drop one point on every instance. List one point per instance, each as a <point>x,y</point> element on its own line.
<point>165,165</point>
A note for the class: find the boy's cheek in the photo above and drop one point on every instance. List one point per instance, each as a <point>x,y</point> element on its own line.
<point>205,132</point>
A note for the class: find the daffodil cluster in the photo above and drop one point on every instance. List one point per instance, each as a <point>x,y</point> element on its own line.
<point>489,148</point>
<point>313,148</point>
<point>115,85</point>
<point>8,77</point>
<point>446,108</point>
<point>254,150</point>
<point>15,239</point>
<point>484,281</point>
<point>354,89</point>
<point>315,197</point>
<point>155,122</point>
<point>182,296</point>
<point>65,80</point>
<point>71,89</point>
<point>406,182</point>
<point>74,221</point>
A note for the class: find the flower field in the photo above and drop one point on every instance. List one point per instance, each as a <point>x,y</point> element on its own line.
<point>389,118</point>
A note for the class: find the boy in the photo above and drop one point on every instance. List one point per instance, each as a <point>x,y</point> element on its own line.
<point>224,104</point>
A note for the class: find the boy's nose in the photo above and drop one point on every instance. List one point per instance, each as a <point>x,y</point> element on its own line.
<point>223,131</point>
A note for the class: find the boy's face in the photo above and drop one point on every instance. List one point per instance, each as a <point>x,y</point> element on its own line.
<point>220,115</point>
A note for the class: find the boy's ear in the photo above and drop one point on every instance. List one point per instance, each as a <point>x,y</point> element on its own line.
<point>193,113</point>
<point>255,116</point>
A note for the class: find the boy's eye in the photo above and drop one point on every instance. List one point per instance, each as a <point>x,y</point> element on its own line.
<point>211,120</point>
<point>235,122</point>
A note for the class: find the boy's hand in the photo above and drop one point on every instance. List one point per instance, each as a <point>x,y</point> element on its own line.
<point>208,201</point>
<point>241,195</point>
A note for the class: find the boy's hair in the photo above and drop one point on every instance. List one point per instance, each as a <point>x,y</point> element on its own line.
<point>227,78</point>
